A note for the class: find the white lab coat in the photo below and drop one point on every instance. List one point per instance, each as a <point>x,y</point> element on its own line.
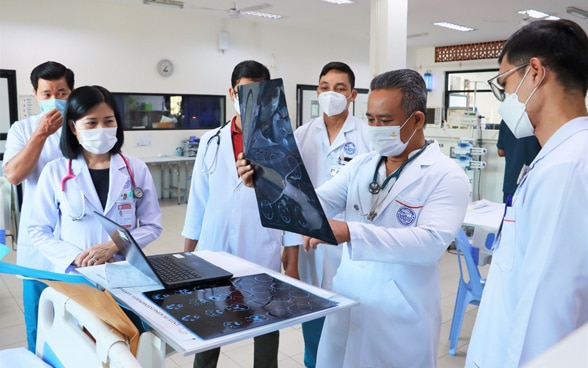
<point>222,213</point>
<point>59,239</point>
<point>322,161</point>
<point>537,287</point>
<point>391,265</point>
<point>19,134</point>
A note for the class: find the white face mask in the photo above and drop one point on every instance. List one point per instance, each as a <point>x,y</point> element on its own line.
<point>236,105</point>
<point>386,139</point>
<point>332,103</point>
<point>98,140</point>
<point>514,113</point>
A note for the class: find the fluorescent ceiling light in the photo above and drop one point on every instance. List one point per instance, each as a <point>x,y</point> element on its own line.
<point>263,15</point>
<point>456,27</point>
<point>577,12</point>
<point>340,2</point>
<point>537,14</point>
<point>173,3</point>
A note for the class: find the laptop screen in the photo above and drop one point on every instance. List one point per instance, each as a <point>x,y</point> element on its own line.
<point>128,247</point>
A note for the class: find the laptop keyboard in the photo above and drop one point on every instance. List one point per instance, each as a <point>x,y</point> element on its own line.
<point>169,271</point>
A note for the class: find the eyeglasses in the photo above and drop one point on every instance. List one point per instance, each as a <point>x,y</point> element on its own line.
<point>497,87</point>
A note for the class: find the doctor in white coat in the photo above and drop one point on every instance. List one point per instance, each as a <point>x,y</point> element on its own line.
<point>327,143</point>
<point>536,292</point>
<point>222,213</point>
<point>93,176</point>
<point>403,205</point>
<point>32,143</point>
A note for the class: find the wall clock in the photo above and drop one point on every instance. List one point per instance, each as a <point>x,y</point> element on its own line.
<point>165,67</point>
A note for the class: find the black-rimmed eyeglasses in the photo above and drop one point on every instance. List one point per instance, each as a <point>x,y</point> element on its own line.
<point>497,87</point>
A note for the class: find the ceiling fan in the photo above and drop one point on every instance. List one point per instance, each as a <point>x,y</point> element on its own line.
<point>254,10</point>
<point>235,11</point>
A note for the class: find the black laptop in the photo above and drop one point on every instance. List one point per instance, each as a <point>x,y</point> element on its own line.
<point>172,270</point>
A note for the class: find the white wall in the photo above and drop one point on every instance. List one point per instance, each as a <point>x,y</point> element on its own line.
<point>118,46</point>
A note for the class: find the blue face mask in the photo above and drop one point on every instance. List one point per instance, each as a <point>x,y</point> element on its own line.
<point>52,103</point>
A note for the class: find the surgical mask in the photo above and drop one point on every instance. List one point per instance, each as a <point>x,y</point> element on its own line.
<point>98,140</point>
<point>236,105</point>
<point>514,113</point>
<point>332,103</point>
<point>52,103</point>
<point>386,139</point>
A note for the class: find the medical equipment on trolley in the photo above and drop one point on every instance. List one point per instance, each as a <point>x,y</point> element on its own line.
<point>135,192</point>
<point>468,157</point>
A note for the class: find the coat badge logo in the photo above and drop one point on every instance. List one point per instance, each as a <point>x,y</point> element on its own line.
<point>405,216</point>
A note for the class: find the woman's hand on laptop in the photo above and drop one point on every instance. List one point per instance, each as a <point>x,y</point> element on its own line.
<point>97,254</point>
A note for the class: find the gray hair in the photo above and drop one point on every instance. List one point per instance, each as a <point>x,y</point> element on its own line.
<point>410,83</point>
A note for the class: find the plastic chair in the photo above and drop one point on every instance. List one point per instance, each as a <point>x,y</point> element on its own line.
<point>467,292</point>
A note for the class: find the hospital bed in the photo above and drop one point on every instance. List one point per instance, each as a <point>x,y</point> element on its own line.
<point>70,336</point>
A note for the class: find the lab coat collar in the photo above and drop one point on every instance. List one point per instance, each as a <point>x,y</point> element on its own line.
<point>566,131</point>
<point>119,176</point>
<point>84,182</point>
<point>412,172</point>
<point>340,140</point>
<point>226,153</point>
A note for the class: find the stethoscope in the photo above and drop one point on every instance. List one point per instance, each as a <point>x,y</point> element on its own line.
<point>374,187</point>
<point>210,169</point>
<point>135,192</point>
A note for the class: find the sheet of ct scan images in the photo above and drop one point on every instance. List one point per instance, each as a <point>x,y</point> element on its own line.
<point>285,195</point>
<point>242,303</point>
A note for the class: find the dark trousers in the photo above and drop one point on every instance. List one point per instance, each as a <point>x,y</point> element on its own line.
<point>265,353</point>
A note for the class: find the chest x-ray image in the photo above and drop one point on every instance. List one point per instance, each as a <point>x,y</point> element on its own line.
<point>285,195</point>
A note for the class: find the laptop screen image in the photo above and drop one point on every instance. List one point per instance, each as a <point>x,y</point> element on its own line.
<point>172,270</point>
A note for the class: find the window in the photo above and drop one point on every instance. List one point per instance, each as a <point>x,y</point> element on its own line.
<point>170,111</point>
<point>469,92</point>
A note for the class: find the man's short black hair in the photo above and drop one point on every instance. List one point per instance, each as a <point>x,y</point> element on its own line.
<point>249,69</point>
<point>561,45</point>
<point>79,102</point>
<point>52,70</point>
<point>342,67</point>
<point>410,83</point>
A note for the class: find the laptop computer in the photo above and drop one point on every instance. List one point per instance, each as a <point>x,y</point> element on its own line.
<point>172,270</point>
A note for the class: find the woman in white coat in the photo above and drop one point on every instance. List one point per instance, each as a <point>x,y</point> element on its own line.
<point>403,205</point>
<point>93,176</point>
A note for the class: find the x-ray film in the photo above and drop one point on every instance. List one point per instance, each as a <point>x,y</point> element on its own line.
<point>285,195</point>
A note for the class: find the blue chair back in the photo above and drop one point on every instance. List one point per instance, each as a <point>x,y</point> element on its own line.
<point>464,248</point>
<point>469,292</point>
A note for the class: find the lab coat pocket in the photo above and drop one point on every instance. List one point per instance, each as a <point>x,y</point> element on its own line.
<point>395,303</point>
<point>503,254</point>
<point>406,211</point>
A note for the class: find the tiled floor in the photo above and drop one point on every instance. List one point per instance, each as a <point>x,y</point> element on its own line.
<point>238,355</point>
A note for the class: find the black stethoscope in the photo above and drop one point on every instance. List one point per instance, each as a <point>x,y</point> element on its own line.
<point>209,169</point>
<point>375,188</point>
<point>135,192</point>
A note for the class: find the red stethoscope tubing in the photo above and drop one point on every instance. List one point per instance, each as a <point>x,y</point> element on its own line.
<point>70,174</point>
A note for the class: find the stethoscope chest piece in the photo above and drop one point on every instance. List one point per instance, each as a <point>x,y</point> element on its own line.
<point>138,192</point>
<point>374,187</point>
